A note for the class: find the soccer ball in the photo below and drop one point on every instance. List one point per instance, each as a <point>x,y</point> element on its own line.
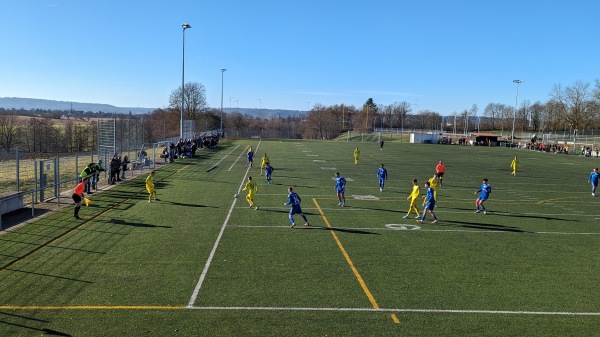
<point>235,195</point>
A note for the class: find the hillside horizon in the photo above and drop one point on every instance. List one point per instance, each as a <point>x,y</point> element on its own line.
<point>48,104</point>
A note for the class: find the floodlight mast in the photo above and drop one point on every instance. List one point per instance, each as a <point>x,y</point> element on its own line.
<point>184,27</point>
<point>512,137</point>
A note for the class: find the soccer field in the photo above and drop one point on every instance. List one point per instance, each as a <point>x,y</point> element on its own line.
<point>199,262</point>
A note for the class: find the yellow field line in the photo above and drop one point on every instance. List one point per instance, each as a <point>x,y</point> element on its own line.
<point>555,199</point>
<point>90,307</point>
<point>361,281</point>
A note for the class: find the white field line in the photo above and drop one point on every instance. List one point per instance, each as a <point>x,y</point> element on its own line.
<point>438,311</point>
<point>217,241</point>
<point>235,162</point>
<point>418,230</point>
<point>217,164</point>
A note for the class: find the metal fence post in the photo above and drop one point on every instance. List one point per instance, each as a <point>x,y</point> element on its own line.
<point>76,165</point>
<point>32,204</point>
<point>17,159</point>
<point>35,181</point>
<point>57,179</point>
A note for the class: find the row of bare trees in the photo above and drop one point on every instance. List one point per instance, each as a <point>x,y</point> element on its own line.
<point>49,133</point>
<point>44,134</point>
<point>575,107</point>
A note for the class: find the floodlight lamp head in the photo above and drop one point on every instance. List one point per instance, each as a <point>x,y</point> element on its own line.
<point>186,26</point>
<point>518,81</point>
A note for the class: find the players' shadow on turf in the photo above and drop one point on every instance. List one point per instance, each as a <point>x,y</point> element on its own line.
<point>136,224</point>
<point>379,209</point>
<point>337,229</point>
<point>529,216</point>
<point>185,205</point>
<point>483,226</point>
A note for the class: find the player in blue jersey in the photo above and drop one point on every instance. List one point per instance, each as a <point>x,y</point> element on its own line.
<point>382,175</point>
<point>294,200</point>
<point>593,179</point>
<point>429,203</point>
<point>268,172</point>
<point>340,187</point>
<point>485,191</point>
<point>250,157</point>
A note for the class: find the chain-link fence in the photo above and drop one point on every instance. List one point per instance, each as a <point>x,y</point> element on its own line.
<point>27,179</point>
<point>30,178</point>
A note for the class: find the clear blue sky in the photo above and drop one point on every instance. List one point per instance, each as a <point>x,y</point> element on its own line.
<point>440,55</point>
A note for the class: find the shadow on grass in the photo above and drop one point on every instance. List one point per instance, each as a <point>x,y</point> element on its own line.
<point>484,226</point>
<point>380,209</point>
<point>136,224</point>
<point>184,205</point>
<point>52,276</point>
<point>273,210</point>
<point>337,229</point>
<point>23,317</point>
<point>43,331</point>
<point>517,215</point>
<point>77,250</point>
<point>529,216</point>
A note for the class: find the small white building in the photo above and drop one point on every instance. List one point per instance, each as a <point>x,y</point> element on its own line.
<point>425,137</point>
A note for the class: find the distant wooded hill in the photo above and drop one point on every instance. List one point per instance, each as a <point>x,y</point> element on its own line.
<point>46,104</point>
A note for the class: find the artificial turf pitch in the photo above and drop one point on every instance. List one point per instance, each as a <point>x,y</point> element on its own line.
<point>199,262</point>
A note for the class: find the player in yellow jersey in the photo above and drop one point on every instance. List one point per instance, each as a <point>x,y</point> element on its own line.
<point>413,197</point>
<point>356,155</point>
<point>433,183</point>
<point>263,162</point>
<point>514,165</point>
<point>252,188</point>
<point>150,187</point>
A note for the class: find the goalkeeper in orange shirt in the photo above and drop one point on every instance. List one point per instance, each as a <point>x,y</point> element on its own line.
<point>78,196</point>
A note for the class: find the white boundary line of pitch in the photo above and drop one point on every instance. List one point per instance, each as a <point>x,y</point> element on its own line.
<point>238,158</point>
<point>217,164</point>
<point>217,241</point>
<point>438,311</point>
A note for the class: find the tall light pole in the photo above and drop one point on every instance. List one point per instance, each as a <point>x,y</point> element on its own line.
<point>515,112</point>
<point>184,26</point>
<point>223,70</point>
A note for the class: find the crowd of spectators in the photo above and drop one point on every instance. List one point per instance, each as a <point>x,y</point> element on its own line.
<point>553,147</point>
<point>186,148</point>
<point>118,166</point>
